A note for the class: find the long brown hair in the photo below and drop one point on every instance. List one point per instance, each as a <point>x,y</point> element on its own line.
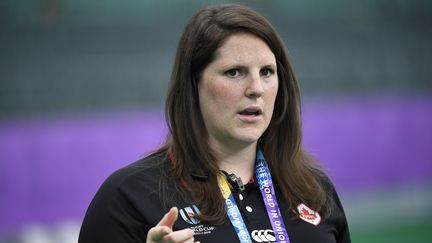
<point>294,172</point>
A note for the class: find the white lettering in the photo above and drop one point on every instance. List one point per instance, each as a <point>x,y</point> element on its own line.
<point>228,203</point>
<point>237,223</point>
<point>260,169</point>
<point>269,199</point>
<point>243,235</point>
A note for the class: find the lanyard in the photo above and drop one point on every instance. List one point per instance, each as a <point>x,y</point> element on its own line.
<point>263,176</point>
<point>233,212</point>
<point>268,193</point>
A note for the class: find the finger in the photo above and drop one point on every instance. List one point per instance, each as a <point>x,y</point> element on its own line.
<point>158,232</point>
<point>169,218</point>
<point>191,240</point>
<point>180,236</point>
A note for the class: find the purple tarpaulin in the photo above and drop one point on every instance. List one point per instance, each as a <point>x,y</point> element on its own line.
<point>51,168</point>
<point>371,142</point>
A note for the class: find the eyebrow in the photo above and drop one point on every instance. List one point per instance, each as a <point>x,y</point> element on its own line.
<point>240,66</point>
<point>273,66</point>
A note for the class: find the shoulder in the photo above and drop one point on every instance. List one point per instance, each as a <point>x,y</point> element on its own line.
<point>126,205</point>
<point>143,174</point>
<point>333,202</point>
<point>336,216</point>
<point>129,186</point>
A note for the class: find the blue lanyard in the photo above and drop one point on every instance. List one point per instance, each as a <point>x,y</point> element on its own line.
<point>269,196</point>
<point>233,212</point>
<point>265,182</point>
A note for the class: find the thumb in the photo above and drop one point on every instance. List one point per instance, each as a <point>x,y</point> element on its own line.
<point>169,218</point>
<point>157,233</point>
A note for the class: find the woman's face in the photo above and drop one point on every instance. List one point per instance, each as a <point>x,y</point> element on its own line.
<point>237,91</point>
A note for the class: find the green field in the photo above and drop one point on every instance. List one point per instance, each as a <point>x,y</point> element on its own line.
<point>410,233</point>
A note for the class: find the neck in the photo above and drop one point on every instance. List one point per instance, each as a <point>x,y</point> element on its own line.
<point>240,162</point>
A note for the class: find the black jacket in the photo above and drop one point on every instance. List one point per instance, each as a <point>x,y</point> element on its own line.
<point>128,204</point>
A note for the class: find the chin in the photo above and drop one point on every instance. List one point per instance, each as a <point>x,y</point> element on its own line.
<point>250,137</point>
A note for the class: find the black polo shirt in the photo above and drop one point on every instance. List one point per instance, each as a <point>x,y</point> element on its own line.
<point>128,204</point>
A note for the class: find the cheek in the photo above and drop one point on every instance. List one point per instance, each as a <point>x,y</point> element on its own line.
<point>222,96</point>
<point>273,90</point>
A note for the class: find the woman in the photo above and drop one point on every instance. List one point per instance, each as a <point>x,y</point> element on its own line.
<point>232,169</point>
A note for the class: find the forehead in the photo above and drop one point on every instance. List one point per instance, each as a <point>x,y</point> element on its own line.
<point>244,47</point>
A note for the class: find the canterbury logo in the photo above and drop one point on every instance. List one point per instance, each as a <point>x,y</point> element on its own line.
<point>189,214</point>
<point>263,235</point>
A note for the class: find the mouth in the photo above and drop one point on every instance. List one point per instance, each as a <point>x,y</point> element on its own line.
<point>251,111</point>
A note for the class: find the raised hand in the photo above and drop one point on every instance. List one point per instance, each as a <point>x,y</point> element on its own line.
<point>163,231</point>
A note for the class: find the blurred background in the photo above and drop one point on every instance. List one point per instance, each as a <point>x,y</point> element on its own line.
<point>82,89</point>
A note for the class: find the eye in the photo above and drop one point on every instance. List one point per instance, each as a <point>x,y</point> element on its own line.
<point>267,72</point>
<point>233,73</point>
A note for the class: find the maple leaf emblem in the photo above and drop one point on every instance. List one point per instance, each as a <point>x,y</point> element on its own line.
<point>308,215</point>
<point>305,213</point>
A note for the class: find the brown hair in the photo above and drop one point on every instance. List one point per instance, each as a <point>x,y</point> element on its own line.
<point>293,171</point>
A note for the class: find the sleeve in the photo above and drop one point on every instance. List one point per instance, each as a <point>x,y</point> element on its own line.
<point>112,217</point>
<point>343,234</point>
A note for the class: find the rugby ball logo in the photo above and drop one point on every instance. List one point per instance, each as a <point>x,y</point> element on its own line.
<point>189,214</point>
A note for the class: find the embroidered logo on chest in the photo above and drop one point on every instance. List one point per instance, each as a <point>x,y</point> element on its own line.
<point>263,235</point>
<point>189,214</point>
<point>308,214</point>
<point>202,229</point>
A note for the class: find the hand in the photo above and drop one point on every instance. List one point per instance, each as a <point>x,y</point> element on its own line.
<point>163,231</point>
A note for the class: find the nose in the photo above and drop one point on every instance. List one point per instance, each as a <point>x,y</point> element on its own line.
<point>254,87</point>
